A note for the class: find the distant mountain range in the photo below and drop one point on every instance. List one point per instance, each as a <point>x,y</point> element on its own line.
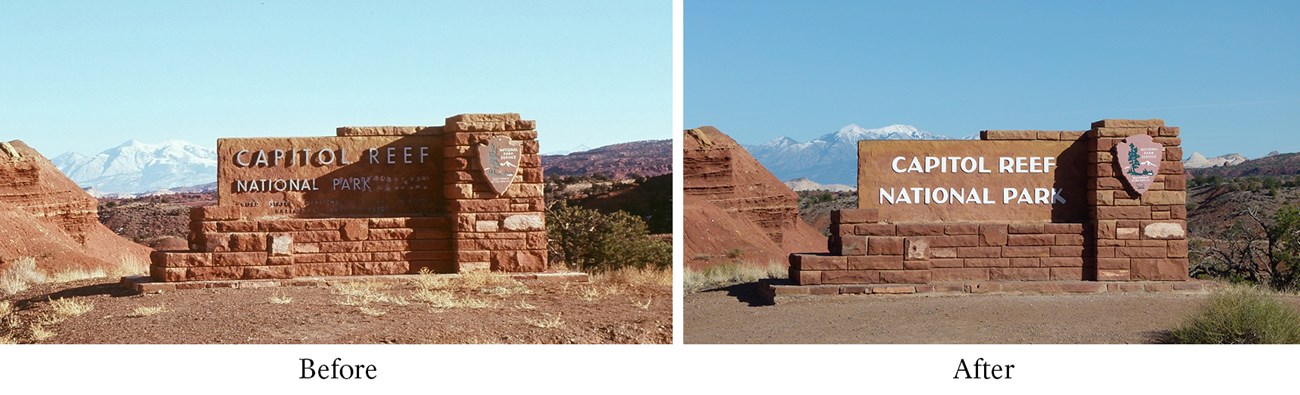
<point>137,168</point>
<point>617,161</point>
<point>1274,164</point>
<point>831,158</point>
<point>804,184</point>
<point>1198,161</point>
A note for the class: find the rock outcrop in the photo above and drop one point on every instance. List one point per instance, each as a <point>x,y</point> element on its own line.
<point>734,209</point>
<point>1198,161</point>
<point>44,215</point>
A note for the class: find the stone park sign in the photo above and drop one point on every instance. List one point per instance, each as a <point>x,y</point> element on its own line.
<point>371,200</point>
<point>944,181</point>
<point>1106,204</point>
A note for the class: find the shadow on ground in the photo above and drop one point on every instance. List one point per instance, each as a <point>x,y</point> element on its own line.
<point>745,293</point>
<point>113,289</point>
<point>1160,337</point>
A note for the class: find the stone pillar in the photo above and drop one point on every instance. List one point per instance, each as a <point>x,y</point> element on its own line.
<point>505,232</point>
<point>1137,236</point>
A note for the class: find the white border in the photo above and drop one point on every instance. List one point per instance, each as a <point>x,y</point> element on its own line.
<point>679,263</point>
<point>637,369</point>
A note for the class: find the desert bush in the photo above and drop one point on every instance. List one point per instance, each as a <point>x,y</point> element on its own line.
<point>18,275</point>
<point>1266,251</point>
<point>731,273</point>
<point>1240,315</point>
<point>590,241</point>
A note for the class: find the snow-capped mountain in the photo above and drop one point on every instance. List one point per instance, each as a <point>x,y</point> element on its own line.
<point>804,184</point>
<point>135,167</point>
<point>1198,161</point>
<point>831,158</point>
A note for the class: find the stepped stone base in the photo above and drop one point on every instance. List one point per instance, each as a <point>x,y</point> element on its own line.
<point>774,291</point>
<point>146,284</point>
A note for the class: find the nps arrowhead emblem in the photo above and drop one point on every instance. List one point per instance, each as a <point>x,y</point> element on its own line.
<point>498,158</point>
<point>1138,157</point>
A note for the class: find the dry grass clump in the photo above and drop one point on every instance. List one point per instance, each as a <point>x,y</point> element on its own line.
<point>11,323</point>
<point>361,293</point>
<point>145,311</point>
<point>130,265</point>
<point>370,311</point>
<point>635,276</point>
<point>74,274</point>
<point>280,299</point>
<point>506,290</point>
<point>67,307</point>
<point>18,275</point>
<point>8,323</point>
<point>485,280</point>
<point>430,280</point>
<point>594,292</point>
<point>547,322</point>
<point>524,305</point>
<point>731,273</point>
<point>22,273</point>
<point>442,300</point>
<point>482,282</point>
<point>39,333</point>
<point>1241,315</point>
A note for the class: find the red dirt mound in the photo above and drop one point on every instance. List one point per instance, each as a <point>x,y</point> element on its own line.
<point>46,216</point>
<point>735,209</point>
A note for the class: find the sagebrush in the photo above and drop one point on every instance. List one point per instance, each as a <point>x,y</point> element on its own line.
<point>1240,315</point>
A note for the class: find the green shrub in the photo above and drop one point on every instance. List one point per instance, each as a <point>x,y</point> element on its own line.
<point>589,241</point>
<point>1241,315</point>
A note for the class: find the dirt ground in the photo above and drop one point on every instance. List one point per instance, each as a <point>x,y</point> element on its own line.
<point>732,315</point>
<point>603,311</point>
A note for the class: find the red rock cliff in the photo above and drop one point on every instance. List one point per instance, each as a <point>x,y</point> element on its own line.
<point>45,215</point>
<point>733,203</point>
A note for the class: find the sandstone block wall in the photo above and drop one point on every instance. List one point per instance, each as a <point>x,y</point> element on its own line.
<point>474,229</point>
<point>1127,236</point>
<point>501,233</point>
<point>1138,237</point>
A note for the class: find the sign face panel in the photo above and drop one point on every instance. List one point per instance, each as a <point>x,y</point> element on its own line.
<point>316,177</point>
<point>499,160</point>
<point>973,181</point>
<point>1139,159</point>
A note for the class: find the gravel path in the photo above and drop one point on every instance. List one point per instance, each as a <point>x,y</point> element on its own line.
<point>728,316</point>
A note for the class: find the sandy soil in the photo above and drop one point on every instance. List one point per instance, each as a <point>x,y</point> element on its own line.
<point>540,312</point>
<point>732,316</point>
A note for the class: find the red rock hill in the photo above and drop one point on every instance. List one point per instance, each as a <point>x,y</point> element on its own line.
<point>44,215</point>
<point>733,204</point>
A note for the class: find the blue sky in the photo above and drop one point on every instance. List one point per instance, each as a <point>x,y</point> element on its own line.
<point>1227,73</point>
<point>86,76</point>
